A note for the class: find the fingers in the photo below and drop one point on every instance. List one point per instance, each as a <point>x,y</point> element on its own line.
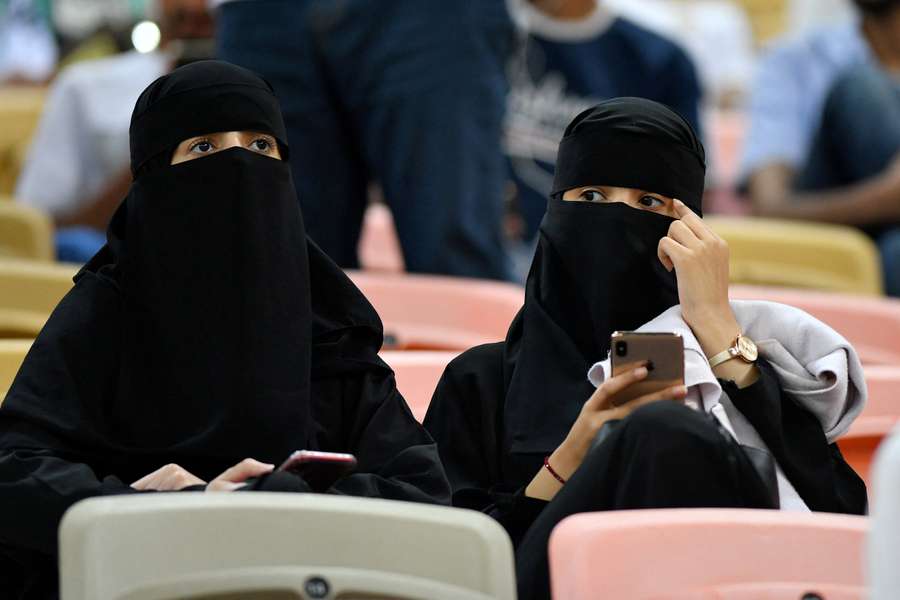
<point>676,393</point>
<point>683,234</point>
<point>246,469</point>
<point>670,252</point>
<point>692,221</point>
<point>601,399</point>
<point>168,477</point>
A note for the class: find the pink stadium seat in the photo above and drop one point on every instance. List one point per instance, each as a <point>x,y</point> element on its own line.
<point>417,375</point>
<point>379,248</point>
<point>424,312</point>
<point>872,325</point>
<point>699,554</point>
<point>881,414</point>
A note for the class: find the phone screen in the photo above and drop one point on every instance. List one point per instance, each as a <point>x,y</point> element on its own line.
<point>320,470</point>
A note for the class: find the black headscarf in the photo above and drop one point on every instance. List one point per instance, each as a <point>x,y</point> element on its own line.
<point>596,269</point>
<point>211,340</point>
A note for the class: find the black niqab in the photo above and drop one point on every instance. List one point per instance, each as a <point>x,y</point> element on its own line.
<point>596,268</point>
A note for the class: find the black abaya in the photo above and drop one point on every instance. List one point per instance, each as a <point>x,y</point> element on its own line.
<point>467,420</point>
<point>208,330</point>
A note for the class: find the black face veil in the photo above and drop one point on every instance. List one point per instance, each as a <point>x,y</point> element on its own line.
<point>596,269</point>
<point>204,355</point>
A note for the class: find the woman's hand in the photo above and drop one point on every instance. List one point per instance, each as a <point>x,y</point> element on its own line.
<point>169,478</point>
<point>599,409</point>
<point>236,477</point>
<point>700,259</point>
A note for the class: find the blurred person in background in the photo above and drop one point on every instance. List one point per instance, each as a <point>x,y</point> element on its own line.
<point>576,53</point>
<point>408,93</point>
<point>28,51</point>
<point>824,131</point>
<point>77,167</point>
<point>716,34</point>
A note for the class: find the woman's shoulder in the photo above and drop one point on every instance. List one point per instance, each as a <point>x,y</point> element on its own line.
<point>481,361</point>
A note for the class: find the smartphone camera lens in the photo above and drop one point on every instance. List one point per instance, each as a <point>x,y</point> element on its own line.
<point>621,348</point>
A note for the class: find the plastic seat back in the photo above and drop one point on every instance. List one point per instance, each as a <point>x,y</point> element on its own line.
<point>706,553</point>
<point>29,291</point>
<point>872,325</point>
<point>25,233</point>
<point>883,556</point>
<point>800,255</point>
<point>20,111</point>
<point>417,374</point>
<point>423,312</point>
<point>877,420</point>
<point>12,353</point>
<point>271,545</point>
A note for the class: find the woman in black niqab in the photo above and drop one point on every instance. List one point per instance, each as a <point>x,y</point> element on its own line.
<point>207,331</point>
<point>502,412</point>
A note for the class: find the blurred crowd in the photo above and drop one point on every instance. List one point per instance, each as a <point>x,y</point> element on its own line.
<point>450,113</point>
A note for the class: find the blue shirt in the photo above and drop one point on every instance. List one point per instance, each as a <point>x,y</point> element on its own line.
<point>568,67</point>
<point>789,93</point>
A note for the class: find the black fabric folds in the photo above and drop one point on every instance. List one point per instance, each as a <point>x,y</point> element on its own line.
<point>632,143</point>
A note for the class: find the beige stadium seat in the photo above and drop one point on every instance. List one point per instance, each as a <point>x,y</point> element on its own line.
<point>800,255</point>
<point>29,291</point>
<point>25,232</point>
<point>20,111</point>
<point>256,546</point>
<point>12,353</point>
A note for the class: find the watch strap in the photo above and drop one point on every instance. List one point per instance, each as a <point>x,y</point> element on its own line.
<point>723,356</point>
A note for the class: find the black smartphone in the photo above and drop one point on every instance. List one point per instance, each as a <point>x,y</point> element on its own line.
<point>320,470</point>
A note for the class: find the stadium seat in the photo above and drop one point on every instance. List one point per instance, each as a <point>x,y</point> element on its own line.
<point>424,312</point>
<point>726,554</point>
<point>20,110</point>
<point>872,325</point>
<point>417,375</point>
<point>883,556</point>
<point>881,415</point>
<point>25,232</point>
<point>800,255</point>
<point>272,545</point>
<point>12,353</point>
<point>29,291</point>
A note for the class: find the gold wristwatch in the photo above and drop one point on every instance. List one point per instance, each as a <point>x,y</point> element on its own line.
<point>743,348</point>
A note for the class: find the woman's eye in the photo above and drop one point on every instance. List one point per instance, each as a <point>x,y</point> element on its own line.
<point>651,202</point>
<point>591,196</point>
<point>261,145</point>
<point>202,147</point>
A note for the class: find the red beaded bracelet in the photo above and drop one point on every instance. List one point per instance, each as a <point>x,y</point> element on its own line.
<point>556,475</point>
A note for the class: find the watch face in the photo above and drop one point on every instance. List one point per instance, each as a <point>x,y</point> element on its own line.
<point>747,349</point>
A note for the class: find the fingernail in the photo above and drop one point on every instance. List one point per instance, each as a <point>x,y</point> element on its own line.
<point>641,371</point>
<point>681,390</point>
